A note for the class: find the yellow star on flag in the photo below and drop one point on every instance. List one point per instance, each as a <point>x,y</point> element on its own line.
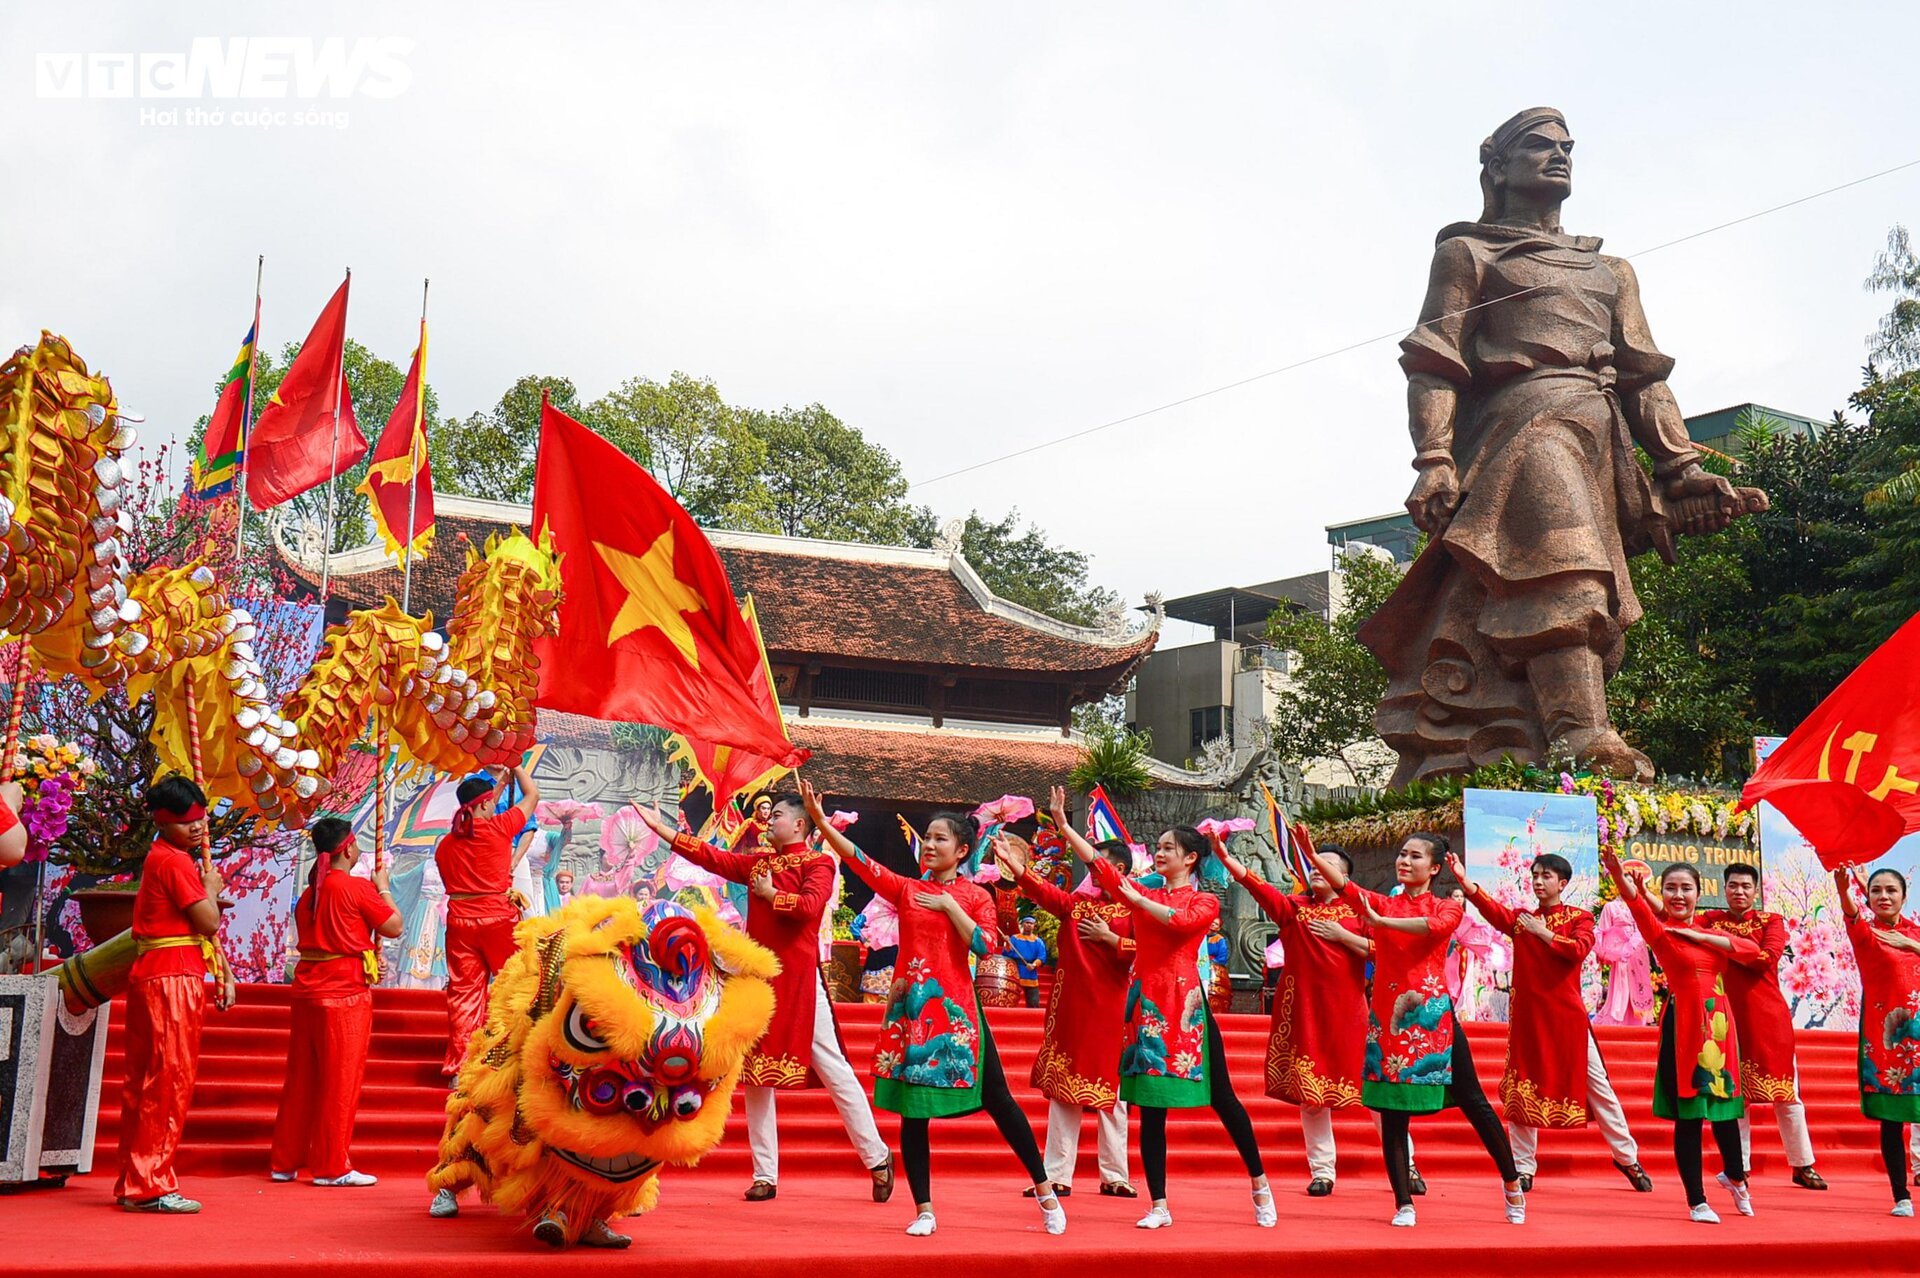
<point>655,597</point>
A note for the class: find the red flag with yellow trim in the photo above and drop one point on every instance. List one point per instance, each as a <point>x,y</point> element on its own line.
<point>649,630</point>
<point>1849,776</point>
<point>399,480</point>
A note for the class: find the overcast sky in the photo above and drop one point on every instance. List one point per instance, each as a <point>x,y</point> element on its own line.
<point>967,228</point>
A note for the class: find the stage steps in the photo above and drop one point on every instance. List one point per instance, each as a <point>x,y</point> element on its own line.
<point>243,1052</point>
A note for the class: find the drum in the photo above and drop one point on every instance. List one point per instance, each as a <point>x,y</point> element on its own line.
<point>996,983</point>
<point>93,976</point>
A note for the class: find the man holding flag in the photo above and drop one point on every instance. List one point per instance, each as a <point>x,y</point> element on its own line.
<point>650,633</point>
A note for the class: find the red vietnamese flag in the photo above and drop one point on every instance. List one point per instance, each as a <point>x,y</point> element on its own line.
<point>725,770</point>
<point>649,631</point>
<point>1849,776</point>
<point>292,447</point>
<point>399,480</point>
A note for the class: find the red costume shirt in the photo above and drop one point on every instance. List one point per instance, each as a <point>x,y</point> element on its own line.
<point>350,911</point>
<point>1410,1015</point>
<point>1545,1084</point>
<point>479,866</point>
<point>1706,1048</point>
<point>930,1036</point>
<point>789,925</point>
<point>1079,1060</point>
<point>1889,1008</point>
<point>1166,1029</point>
<point>1317,1046</point>
<point>169,883</point>
<point>1766,1023</point>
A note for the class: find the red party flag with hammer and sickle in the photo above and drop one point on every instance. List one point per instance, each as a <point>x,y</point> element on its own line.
<point>1849,776</point>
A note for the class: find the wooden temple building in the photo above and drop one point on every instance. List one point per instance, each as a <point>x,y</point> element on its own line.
<point>913,684</point>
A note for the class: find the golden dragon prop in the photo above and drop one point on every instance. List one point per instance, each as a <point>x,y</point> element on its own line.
<point>67,589</point>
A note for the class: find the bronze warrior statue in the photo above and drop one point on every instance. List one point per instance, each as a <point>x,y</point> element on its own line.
<point>1530,378</point>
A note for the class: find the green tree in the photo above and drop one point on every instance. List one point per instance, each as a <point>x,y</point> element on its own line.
<point>1326,709</point>
<point>1886,572</point>
<point>824,479</point>
<point>491,454</point>
<point>698,447</point>
<point>1024,567</point>
<point>1896,343</point>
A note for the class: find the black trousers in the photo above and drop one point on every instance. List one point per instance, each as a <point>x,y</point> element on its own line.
<point>1686,1131</point>
<point>1222,1099</point>
<point>1464,1092</point>
<point>917,1154</point>
<point>1893,1148</point>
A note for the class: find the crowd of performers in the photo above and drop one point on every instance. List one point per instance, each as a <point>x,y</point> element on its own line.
<point>1361,1015</point>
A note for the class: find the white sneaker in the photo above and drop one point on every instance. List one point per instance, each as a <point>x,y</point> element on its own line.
<point>1516,1201</point>
<point>1702,1214</point>
<point>444,1204</point>
<point>1403,1216</point>
<point>352,1180</point>
<point>1054,1217</point>
<point>1156,1218</point>
<point>281,1178</point>
<point>922,1225</point>
<point>1742,1196</point>
<point>1902,1208</point>
<point>1264,1213</point>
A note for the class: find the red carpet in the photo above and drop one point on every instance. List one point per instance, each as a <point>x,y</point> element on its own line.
<point>1583,1218</point>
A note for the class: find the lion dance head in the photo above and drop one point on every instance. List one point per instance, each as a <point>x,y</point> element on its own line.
<point>613,1042</point>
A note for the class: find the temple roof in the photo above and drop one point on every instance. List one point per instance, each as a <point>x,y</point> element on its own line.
<point>954,767</point>
<point>815,599</point>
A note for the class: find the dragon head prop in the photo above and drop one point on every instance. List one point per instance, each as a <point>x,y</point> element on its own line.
<point>613,1042</point>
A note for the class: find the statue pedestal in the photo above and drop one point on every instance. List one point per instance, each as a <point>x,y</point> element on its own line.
<point>50,1064</point>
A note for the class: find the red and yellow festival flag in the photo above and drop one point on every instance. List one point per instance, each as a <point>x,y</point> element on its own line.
<point>1849,776</point>
<point>399,482</point>
<point>649,631</point>
<point>294,445</point>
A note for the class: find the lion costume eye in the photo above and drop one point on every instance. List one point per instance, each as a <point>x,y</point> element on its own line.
<point>579,1031</point>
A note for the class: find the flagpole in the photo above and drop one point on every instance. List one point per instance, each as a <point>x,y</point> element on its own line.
<point>326,548</point>
<point>413,478</point>
<point>246,413</point>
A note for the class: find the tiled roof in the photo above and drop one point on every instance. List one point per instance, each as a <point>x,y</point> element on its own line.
<point>937,767</point>
<point>814,600</point>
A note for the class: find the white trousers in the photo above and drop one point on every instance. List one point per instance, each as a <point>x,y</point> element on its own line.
<point>1794,1138</point>
<point>1316,1126</point>
<point>1601,1103</point>
<point>1063,1141</point>
<point>849,1097</point>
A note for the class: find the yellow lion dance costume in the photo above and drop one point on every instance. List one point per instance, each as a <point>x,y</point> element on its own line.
<point>613,1042</point>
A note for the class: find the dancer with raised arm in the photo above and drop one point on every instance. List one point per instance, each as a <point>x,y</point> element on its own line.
<point>475,860</point>
<point>1768,1070</point>
<point>1697,1031</point>
<point>1316,1048</point>
<point>789,889</point>
<point>1078,1068</point>
<point>935,1056</point>
<point>1417,1058</point>
<point>1886,947</point>
<point>1173,1058</point>
<point>1555,1076</point>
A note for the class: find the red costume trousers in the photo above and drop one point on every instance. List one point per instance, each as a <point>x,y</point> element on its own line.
<point>163,1054</point>
<point>326,1061</point>
<point>476,951</point>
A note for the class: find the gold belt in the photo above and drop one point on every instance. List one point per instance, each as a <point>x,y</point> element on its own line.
<point>369,960</point>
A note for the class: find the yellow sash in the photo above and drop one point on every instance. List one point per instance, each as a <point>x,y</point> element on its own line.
<point>215,960</point>
<point>369,961</point>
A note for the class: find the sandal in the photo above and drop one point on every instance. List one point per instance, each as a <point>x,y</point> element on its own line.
<point>760,1191</point>
<point>1636,1176</point>
<point>1807,1178</point>
<point>882,1180</point>
<point>1319,1187</point>
<point>1118,1189</point>
<point>1061,1191</point>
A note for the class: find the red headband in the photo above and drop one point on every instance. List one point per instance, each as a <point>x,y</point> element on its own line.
<point>193,812</point>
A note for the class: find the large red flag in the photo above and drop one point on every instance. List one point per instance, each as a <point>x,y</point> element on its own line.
<point>399,481</point>
<point>292,448</point>
<point>649,630</point>
<point>1849,776</point>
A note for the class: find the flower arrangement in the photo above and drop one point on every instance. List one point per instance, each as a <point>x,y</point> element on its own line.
<point>51,772</point>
